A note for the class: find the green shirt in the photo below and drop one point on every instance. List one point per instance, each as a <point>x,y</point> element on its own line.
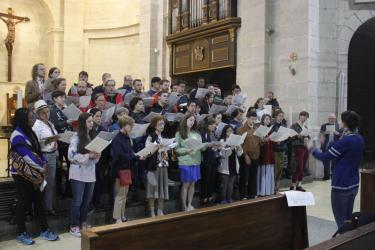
<point>185,158</point>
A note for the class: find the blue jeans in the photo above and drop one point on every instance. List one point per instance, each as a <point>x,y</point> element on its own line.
<point>342,205</point>
<point>82,194</point>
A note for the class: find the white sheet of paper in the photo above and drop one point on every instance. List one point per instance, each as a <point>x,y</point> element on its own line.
<point>239,99</point>
<point>107,114</point>
<point>149,117</point>
<point>282,134</point>
<point>201,117</point>
<point>268,109</point>
<point>236,140</point>
<point>331,128</point>
<point>108,136</point>
<point>168,143</point>
<point>172,99</point>
<point>71,99</point>
<point>305,132</point>
<point>217,109</point>
<point>174,117</point>
<point>139,130</point>
<point>262,131</point>
<point>84,101</point>
<point>128,98</point>
<point>72,112</point>
<point>97,145</point>
<point>231,109</point>
<point>66,136</point>
<point>149,150</point>
<point>298,199</point>
<point>147,101</point>
<point>201,92</point>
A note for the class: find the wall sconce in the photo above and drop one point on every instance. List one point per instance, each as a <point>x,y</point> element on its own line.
<point>270,31</point>
<point>292,58</point>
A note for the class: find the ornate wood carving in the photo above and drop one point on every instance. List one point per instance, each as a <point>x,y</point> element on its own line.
<point>213,10</point>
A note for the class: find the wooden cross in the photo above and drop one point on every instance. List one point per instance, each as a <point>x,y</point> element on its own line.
<point>11,21</point>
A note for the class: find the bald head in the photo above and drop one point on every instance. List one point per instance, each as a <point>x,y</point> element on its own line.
<point>332,118</point>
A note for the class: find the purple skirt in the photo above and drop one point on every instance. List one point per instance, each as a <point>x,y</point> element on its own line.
<point>190,173</point>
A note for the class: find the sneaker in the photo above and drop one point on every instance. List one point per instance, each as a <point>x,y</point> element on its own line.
<point>124,219</point>
<point>190,208</point>
<point>48,235</point>
<point>299,188</point>
<point>75,231</point>
<point>160,212</point>
<point>25,239</point>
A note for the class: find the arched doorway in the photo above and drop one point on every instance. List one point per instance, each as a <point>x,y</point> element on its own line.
<point>361,81</point>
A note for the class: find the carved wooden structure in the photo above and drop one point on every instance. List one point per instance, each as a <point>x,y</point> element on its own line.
<point>202,35</point>
<point>264,223</point>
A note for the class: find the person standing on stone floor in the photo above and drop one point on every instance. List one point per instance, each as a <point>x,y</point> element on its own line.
<point>157,168</point>
<point>82,174</point>
<point>249,166</point>
<point>189,160</point>
<point>347,153</point>
<point>62,124</point>
<point>210,162</point>
<point>229,166</point>
<point>34,88</point>
<point>24,143</point>
<point>328,138</point>
<point>301,154</point>
<point>266,171</point>
<point>123,157</point>
<point>44,129</point>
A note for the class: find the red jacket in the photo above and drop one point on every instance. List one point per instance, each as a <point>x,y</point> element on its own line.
<point>267,154</point>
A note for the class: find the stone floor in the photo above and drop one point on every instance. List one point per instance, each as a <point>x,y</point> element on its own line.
<point>321,223</point>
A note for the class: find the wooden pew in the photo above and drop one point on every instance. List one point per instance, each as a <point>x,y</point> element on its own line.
<point>263,223</point>
<point>362,238</point>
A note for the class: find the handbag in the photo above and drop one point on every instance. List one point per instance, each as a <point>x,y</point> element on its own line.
<point>24,169</point>
<point>125,177</point>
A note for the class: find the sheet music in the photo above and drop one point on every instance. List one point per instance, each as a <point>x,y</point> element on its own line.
<point>148,150</point>
<point>149,117</point>
<point>201,92</point>
<point>128,98</point>
<point>298,199</point>
<point>107,114</point>
<point>262,131</point>
<point>72,112</point>
<point>239,100</point>
<point>174,117</point>
<point>72,100</point>
<point>66,136</point>
<point>305,132</point>
<point>200,118</point>
<point>236,140</point>
<point>108,136</point>
<point>139,130</point>
<point>268,109</point>
<point>97,145</point>
<point>232,108</point>
<point>168,143</point>
<point>331,129</point>
<point>84,101</point>
<point>282,134</point>
<point>172,99</point>
<point>147,101</point>
<point>217,109</point>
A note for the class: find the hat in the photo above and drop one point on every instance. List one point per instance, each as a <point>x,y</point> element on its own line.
<point>39,105</point>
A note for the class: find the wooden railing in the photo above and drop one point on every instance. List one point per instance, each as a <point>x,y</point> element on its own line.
<point>189,14</point>
<point>263,223</point>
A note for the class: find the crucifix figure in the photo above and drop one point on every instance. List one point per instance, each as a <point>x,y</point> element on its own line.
<point>11,21</point>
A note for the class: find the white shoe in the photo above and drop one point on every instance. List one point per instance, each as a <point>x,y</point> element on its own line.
<point>152,213</point>
<point>75,231</point>
<point>119,221</point>
<point>160,212</point>
<point>190,208</point>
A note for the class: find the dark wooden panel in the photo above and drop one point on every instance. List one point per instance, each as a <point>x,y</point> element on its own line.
<point>362,238</point>
<point>367,191</point>
<point>265,223</point>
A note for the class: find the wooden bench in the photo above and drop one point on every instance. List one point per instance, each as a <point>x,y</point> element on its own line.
<point>263,223</point>
<point>362,238</point>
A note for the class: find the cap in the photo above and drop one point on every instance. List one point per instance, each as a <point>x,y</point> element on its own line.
<point>39,105</point>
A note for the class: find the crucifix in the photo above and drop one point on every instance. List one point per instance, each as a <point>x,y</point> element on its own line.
<point>11,21</point>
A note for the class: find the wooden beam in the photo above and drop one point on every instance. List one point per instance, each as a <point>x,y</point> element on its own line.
<point>13,17</point>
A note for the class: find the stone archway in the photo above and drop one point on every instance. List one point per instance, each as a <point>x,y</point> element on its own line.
<point>361,80</point>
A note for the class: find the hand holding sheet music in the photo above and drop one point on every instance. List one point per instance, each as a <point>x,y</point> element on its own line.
<point>108,136</point>
<point>66,136</point>
<point>97,145</point>
<point>201,92</point>
<point>147,151</point>
<point>282,134</point>
<point>262,131</point>
<point>194,144</point>
<point>84,101</point>
<point>149,117</point>
<point>217,109</point>
<point>235,140</point>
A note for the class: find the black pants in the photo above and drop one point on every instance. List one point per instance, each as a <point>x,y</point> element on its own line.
<point>208,181</point>
<point>248,179</point>
<point>63,155</point>
<point>27,193</point>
